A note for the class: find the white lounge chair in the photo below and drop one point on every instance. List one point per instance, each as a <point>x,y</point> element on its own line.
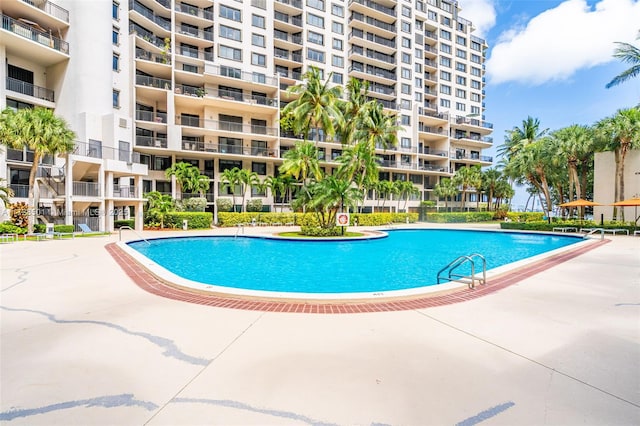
<point>86,230</point>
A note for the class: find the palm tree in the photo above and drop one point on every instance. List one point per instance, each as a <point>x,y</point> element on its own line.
<point>159,205</point>
<point>445,189</point>
<point>230,178</point>
<point>358,163</point>
<point>405,190</point>
<point>490,178</point>
<point>5,194</point>
<point>378,127</point>
<point>316,107</point>
<point>40,131</point>
<point>467,178</point>
<point>275,184</point>
<point>188,178</point>
<point>574,145</point>
<point>619,133</point>
<point>517,138</point>
<point>302,162</point>
<point>331,195</point>
<point>384,188</point>
<point>630,54</point>
<point>247,180</point>
<point>353,109</point>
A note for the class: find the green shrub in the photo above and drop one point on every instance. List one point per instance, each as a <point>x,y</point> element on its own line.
<point>227,219</point>
<point>460,217</point>
<point>194,204</point>
<point>9,228</point>
<point>196,220</point>
<point>254,205</point>
<point>316,231</point>
<point>39,228</point>
<point>525,216</point>
<point>63,228</point>
<point>120,223</point>
<point>224,204</point>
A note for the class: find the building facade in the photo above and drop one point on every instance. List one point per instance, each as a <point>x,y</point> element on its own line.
<point>204,81</point>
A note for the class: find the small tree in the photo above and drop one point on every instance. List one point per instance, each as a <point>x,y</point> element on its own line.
<point>230,178</point>
<point>159,205</point>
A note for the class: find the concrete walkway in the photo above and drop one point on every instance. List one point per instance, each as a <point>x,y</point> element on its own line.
<point>81,344</point>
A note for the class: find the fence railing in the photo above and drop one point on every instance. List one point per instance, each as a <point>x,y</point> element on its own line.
<point>29,89</point>
<point>31,33</point>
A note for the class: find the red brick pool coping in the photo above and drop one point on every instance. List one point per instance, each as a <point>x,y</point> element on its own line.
<point>152,284</point>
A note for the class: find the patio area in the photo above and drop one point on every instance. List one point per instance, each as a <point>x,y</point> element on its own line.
<point>81,343</point>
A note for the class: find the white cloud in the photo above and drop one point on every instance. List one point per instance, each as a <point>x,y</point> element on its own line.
<point>560,41</point>
<point>481,12</point>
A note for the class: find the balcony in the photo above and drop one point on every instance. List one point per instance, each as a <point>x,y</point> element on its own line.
<point>160,83</point>
<point>188,145</point>
<point>375,6</point>
<point>155,117</point>
<point>372,54</point>
<point>86,189</point>
<point>238,74</point>
<point>28,89</point>
<point>151,141</point>
<point>19,191</point>
<point>50,9</point>
<point>359,17</point>
<point>125,191</point>
<point>194,11</point>
<point>152,57</point>
<point>226,126</point>
<point>162,22</point>
<point>31,33</point>
<point>85,149</point>
<point>244,97</point>
<point>195,53</point>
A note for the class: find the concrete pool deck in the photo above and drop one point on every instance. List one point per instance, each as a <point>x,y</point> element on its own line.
<point>82,344</point>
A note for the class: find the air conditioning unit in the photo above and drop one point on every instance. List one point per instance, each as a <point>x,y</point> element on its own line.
<point>124,123</point>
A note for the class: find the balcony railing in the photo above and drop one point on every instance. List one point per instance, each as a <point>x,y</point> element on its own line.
<point>34,34</point>
<point>372,54</point>
<point>429,151</point>
<point>372,21</point>
<point>195,53</point>
<point>159,20</point>
<point>50,8</point>
<point>228,149</point>
<point>104,152</point>
<point>295,3</point>
<point>148,56</point>
<point>160,83</point>
<point>373,5</point>
<point>29,89</point>
<point>373,37</point>
<point>125,191</point>
<point>371,70</point>
<point>86,189</point>
<point>156,117</point>
<point>193,32</point>
<point>478,157</point>
<point>195,11</point>
<point>238,74</point>
<point>151,141</point>
<point>243,97</point>
<point>226,126</point>
<point>19,191</point>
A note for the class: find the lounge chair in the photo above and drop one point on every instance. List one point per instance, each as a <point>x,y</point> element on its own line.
<point>86,230</point>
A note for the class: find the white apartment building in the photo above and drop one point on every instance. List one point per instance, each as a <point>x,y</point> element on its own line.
<point>203,81</point>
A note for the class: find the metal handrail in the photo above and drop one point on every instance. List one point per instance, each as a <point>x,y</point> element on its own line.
<point>460,261</point>
<point>130,229</point>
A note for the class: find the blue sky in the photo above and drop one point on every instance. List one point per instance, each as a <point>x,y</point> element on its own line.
<point>551,59</point>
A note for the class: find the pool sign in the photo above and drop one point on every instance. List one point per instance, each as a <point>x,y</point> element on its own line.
<point>342,219</point>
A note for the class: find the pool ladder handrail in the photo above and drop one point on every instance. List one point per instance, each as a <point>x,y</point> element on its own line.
<point>593,231</point>
<point>133,230</point>
<point>461,260</point>
<point>240,226</point>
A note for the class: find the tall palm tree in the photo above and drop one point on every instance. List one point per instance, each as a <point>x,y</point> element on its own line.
<point>330,196</point>
<point>188,177</point>
<point>518,137</point>
<point>446,189</point>
<point>467,178</point>
<point>159,205</point>
<point>353,109</point>
<point>619,133</point>
<point>405,189</point>
<point>275,184</point>
<point>302,162</point>
<point>247,180</point>
<point>630,54</point>
<point>316,107</point>
<point>490,178</point>
<point>40,131</point>
<point>384,188</point>
<point>230,178</point>
<point>378,127</point>
<point>358,163</point>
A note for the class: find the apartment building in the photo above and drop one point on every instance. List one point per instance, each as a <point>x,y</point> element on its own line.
<point>204,81</point>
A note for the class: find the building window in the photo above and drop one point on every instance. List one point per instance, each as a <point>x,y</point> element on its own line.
<point>337,44</point>
<point>461,53</point>
<point>461,67</point>
<point>406,58</point>
<point>444,89</point>
<point>115,10</point>
<point>405,26</point>
<point>445,35</point>
<point>257,40</point>
<point>258,21</point>
<point>315,55</point>
<point>475,84</point>
<point>259,168</point>
<point>445,75</point>
<point>259,78</point>
<point>475,110</point>
<point>461,80</point>
<point>406,42</point>
<point>405,88</point>
<point>461,40</point>
<point>116,62</point>
<point>461,93</point>
<point>316,4</point>
<point>315,38</point>
<point>476,71</point>
<point>230,53</point>
<point>406,11</point>
<point>230,13</point>
<point>337,78</point>
<point>445,103</point>
<point>405,142</point>
<point>446,62</point>
<point>475,97</point>
<point>115,36</point>
<point>418,96</point>
<point>476,46</point>
<point>116,98</point>
<point>315,20</point>
<point>445,48</point>
<point>405,73</point>
<point>475,58</point>
<point>405,103</point>
<point>230,33</point>
<point>337,27</point>
<point>460,106</point>
<point>337,10</point>
<point>258,59</point>
<point>405,120</point>
<point>337,61</point>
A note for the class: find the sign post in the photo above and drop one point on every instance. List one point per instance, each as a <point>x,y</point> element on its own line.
<point>342,219</point>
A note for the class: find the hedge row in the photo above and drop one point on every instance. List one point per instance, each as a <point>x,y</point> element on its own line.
<point>545,226</point>
<point>226,219</point>
<point>462,217</point>
<point>195,220</point>
<point>525,216</point>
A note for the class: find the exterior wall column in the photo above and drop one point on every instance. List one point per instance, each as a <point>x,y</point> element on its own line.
<point>68,191</point>
<point>105,181</point>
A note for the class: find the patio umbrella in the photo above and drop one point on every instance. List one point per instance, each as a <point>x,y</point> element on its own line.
<point>630,202</point>
<point>580,203</point>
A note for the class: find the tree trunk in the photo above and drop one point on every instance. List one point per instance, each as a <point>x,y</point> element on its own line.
<point>616,192</point>
<point>624,147</point>
<point>34,193</point>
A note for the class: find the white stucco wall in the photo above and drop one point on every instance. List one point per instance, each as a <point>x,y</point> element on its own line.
<point>604,183</point>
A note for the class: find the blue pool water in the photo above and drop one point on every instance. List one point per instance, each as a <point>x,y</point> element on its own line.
<point>405,259</point>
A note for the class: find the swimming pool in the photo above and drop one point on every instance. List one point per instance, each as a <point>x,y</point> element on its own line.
<point>405,259</point>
